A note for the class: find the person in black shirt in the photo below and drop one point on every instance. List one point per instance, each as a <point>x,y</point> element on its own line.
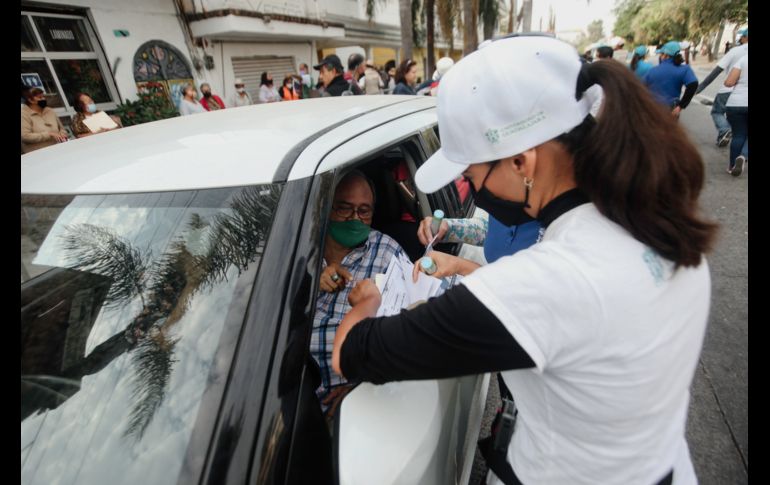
<point>331,75</point>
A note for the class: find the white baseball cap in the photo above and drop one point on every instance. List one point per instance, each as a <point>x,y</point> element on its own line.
<point>442,66</point>
<point>515,94</point>
<point>238,81</point>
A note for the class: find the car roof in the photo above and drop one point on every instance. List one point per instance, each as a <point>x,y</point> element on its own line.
<point>233,147</point>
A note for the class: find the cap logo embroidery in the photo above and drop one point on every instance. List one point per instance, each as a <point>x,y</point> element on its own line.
<point>494,135</point>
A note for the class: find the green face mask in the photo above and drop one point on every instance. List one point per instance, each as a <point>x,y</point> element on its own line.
<point>349,233</point>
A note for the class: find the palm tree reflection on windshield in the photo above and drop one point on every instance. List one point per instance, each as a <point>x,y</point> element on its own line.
<point>165,287</point>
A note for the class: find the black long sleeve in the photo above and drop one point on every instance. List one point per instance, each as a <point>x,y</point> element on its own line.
<point>712,75</point>
<point>449,336</point>
<point>689,92</point>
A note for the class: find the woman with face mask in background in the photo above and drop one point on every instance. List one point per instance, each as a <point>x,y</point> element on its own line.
<point>85,108</point>
<point>597,329</point>
<point>267,92</point>
<point>189,105</point>
<point>40,127</point>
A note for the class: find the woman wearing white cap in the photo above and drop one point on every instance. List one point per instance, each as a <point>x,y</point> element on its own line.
<point>597,329</point>
<point>240,97</point>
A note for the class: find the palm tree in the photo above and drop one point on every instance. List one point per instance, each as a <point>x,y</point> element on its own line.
<point>489,14</point>
<point>470,34</point>
<point>430,7</point>
<point>166,286</point>
<point>447,18</point>
<point>405,14</point>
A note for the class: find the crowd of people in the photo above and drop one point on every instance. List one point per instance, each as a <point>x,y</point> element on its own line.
<point>41,127</point>
<point>673,73</point>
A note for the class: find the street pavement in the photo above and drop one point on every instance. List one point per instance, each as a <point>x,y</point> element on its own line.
<point>717,426</point>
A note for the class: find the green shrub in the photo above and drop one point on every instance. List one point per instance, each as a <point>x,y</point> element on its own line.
<point>153,105</point>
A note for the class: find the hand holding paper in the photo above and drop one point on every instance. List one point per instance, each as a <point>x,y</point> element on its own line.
<point>99,121</point>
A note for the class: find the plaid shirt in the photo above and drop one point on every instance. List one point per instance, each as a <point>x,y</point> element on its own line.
<point>363,262</point>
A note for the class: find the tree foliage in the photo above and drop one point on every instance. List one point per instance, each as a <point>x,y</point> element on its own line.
<point>595,31</point>
<point>654,21</point>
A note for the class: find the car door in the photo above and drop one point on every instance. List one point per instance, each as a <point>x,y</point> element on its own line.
<point>431,438</point>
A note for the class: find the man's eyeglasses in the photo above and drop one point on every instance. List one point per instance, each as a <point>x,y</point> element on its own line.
<point>346,211</point>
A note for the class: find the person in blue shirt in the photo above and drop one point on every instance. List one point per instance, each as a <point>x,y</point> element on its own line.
<point>638,65</point>
<point>667,78</point>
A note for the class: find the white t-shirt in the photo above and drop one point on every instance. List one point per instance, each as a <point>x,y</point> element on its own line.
<point>190,108</point>
<point>728,61</point>
<point>615,335</point>
<point>740,94</point>
<point>268,94</point>
<point>237,100</point>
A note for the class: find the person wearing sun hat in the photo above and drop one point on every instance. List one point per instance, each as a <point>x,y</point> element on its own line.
<point>666,79</point>
<point>638,65</point>
<point>597,329</point>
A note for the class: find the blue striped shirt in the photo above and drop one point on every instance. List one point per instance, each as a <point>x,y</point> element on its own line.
<point>363,262</point>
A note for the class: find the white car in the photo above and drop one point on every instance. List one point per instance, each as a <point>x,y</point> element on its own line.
<point>169,273</point>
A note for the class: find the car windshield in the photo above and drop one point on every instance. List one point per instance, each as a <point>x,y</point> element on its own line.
<point>124,300</point>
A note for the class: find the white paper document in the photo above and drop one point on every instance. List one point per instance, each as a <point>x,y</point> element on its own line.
<point>399,291</point>
<point>98,121</point>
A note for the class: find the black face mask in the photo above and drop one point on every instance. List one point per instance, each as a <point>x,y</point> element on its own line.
<point>42,103</point>
<point>508,212</point>
<point>206,94</point>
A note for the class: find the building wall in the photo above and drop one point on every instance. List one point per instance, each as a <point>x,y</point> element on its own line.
<point>386,12</point>
<point>145,20</point>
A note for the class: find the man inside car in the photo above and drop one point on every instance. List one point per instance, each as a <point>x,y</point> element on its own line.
<point>353,252</point>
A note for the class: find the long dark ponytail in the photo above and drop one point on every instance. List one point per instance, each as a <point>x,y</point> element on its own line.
<point>639,168</point>
<point>635,61</point>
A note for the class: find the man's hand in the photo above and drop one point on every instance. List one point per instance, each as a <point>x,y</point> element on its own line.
<point>58,137</point>
<point>425,235</point>
<point>676,111</point>
<point>334,272</point>
<point>365,291</point>
<point>447,265</point>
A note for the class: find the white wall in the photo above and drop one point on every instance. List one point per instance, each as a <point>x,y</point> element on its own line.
<point>144,19</point>
<point>385,12</point>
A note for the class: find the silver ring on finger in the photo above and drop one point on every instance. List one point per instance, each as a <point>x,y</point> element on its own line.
<point>335,277</point>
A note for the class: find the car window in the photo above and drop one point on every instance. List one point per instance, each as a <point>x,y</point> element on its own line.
<point>124,298</point>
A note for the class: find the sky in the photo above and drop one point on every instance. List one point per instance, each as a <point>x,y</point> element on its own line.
<point>573,14</point>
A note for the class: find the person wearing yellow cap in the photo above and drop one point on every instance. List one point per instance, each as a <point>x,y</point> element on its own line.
<point>596,330</point>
